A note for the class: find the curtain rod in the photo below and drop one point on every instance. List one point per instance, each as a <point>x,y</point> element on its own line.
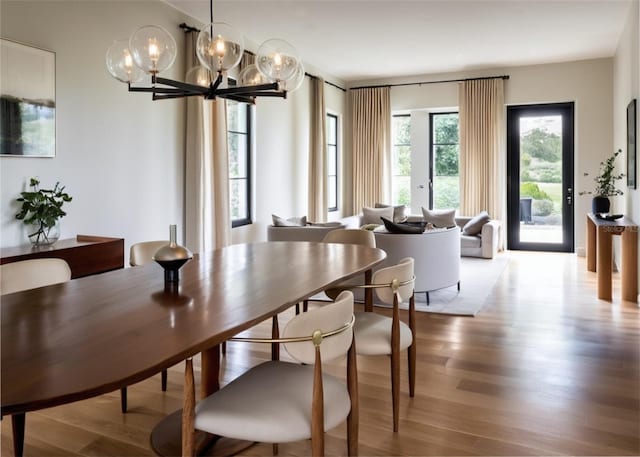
<point>432,82</point>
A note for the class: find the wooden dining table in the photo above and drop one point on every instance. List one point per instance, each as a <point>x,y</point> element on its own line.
<point>86,337</point>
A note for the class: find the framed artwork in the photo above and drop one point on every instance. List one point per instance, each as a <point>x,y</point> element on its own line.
<point>631,144</point>
<point>27,101</point>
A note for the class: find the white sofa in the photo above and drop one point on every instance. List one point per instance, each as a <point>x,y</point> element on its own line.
<point>485,244</point>
<point>306,233</point>
<point>436,253</point>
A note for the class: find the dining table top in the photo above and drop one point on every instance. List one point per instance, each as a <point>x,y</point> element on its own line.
<point>93,335</point>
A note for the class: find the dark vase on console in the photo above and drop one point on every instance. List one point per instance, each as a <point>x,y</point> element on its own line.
<point>600,205</point>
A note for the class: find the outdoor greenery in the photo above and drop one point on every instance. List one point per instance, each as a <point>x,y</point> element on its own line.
<point>42,208</point>
<point>531,189</point>
<point>606,178</point>
<point>447,149</point>
<point>401,162</point>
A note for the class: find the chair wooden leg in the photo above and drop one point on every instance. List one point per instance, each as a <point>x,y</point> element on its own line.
<point>223,348</point>
<point>17,425</point>
<point>411,352</point>
<point>305,306</point>
<point>275,333</point>
<point>297,308</point>
<point>188,411</point>
<point>274,448</point>
<point>163,381</point>
<point>354,415</point>
<point>123,400</point>
<point>395,364</point>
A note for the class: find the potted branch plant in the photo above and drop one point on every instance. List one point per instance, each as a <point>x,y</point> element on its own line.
<point>605,185</point>
<point>41,211</point>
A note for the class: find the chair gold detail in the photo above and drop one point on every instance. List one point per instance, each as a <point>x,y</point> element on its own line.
<point>381,335</point>
<point>278,401</point>
<point>30,274</point>
<point>142,254</point>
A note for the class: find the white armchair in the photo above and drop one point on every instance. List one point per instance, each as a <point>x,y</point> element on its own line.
<point>485,244</point>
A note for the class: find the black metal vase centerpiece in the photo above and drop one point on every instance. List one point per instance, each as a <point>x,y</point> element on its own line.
<point>171,257</point>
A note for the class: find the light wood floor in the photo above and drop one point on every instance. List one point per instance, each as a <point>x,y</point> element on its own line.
<point>544,369</point>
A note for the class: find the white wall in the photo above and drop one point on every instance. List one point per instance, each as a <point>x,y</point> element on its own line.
<point>119,154</point>
<point>627,87</point>
<point>588,83</point>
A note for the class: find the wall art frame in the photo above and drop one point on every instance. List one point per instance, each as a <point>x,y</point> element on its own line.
<point>631,145</point>
<point>27,100</point>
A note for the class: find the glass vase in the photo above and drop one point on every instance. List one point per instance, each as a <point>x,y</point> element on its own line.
<point>39,235</point>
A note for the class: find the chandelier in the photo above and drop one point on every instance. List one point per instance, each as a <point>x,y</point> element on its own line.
<point>219,47</point>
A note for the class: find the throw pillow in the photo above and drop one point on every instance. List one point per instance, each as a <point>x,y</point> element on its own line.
<point>373,215</point>
<point>443,218</point>
<point>392,227</point>
<point>474,226</point>
<point>290,222</point>
<point>398,211</point>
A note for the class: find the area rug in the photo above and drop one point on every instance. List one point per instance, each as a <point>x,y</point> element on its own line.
<point>477,279</point>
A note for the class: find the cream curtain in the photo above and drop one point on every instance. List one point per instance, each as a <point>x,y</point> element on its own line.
<point>482,150</point>
<point>318,205</point>
<point>371,146</point>
<point>208,220</point>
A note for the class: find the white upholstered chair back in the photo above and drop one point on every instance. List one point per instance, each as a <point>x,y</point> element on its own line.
<point>351,236</point>
<point>326,318</point>
<point>29,274</point>
<point>403,273</point>
<point>142,253</point>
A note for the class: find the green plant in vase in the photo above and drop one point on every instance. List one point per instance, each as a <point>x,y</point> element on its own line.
<point>605,185</point>
<point>41,211</point>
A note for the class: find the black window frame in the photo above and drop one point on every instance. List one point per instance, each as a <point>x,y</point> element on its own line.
<point>432,143</point>
<point>249,135</point>
<point>334,119</point>
<point>393,146</point>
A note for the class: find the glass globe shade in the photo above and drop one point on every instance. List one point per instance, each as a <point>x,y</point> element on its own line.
<point>219,47</point>
<point>250,76</point>
<point>296,81</point>
<point>277,60</point>
<point>120,63</point>
<point>153,49</point>
<point>200,76</point>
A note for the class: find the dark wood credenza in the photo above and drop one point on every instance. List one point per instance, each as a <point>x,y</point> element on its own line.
<point>85,254</point>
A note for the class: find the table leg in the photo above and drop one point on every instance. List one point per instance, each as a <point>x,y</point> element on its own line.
<point>17,424</point>
<point>591,245</point>
<point>368,293</point>
<point>210,362</point>
<point>604,259</point>
<point>629,248</point>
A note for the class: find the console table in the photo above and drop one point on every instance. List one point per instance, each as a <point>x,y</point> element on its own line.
<point>599,255</point>
<point>85,254</point>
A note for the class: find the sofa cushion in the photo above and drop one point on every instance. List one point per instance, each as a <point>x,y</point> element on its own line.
<point>290,222</point>
<point>470,241</point>
<point>373,215</point>
<point>392,227</point>
<point>474,226</point>
<point>398,211</point>
<point>443,218</point>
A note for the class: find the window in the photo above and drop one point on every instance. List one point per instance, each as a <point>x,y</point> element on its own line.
<point>239,144</point>
<point>444,160</point>
<point>332,162</point>
<point>401,159</point>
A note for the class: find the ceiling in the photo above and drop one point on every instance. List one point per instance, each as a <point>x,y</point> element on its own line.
<point>363,39</point>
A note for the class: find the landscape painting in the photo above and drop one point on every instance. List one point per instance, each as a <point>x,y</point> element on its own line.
<point>27,101</point>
